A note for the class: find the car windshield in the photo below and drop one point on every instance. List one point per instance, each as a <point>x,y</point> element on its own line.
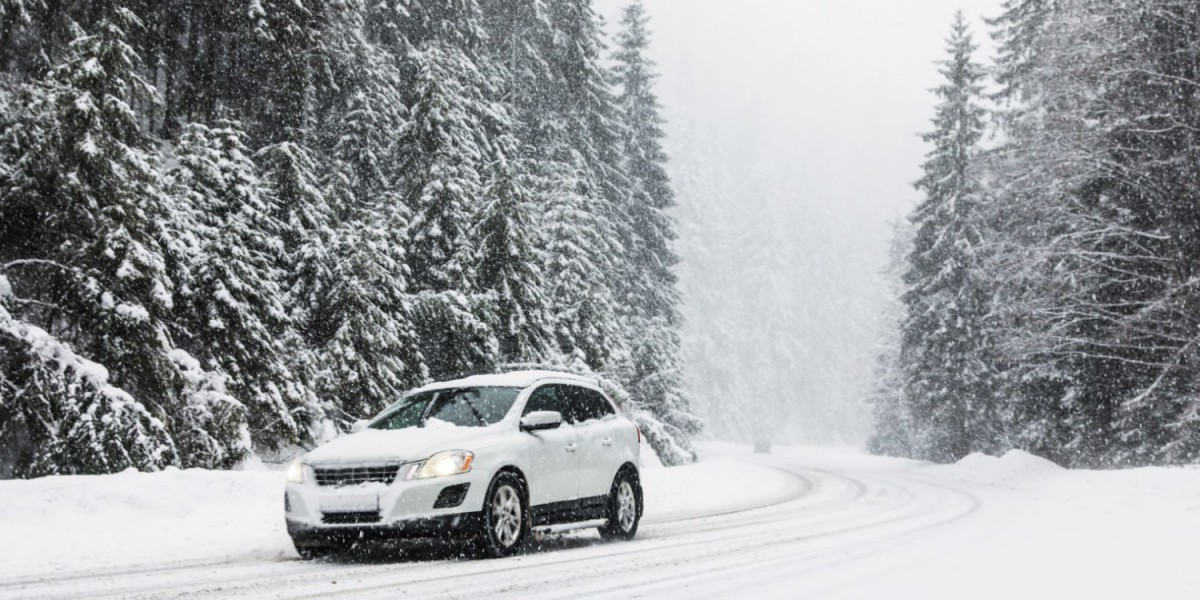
<point>459,407</point>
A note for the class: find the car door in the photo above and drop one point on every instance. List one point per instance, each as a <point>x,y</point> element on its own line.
<point>598,457</point>
<point>553,453</point>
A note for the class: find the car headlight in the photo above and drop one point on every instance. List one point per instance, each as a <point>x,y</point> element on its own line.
<point>298,472</point>
<point>450,462</point>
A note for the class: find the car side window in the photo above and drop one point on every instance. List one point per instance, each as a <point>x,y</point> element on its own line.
<point>587,405</point>
<point>545,398</point>
<point>575,403</point>
<point>599,406</point>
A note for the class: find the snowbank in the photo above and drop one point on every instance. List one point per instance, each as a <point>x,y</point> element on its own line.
<point>1049,532</point>
<point>1015,467</point>
<point>72,523</point>
<point>62,525</point>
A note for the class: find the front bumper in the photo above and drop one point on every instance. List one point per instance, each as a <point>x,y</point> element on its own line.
<point>460,526</point>
<point>324,515</point>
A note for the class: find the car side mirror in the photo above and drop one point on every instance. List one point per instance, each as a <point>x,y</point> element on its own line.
<point>358,426</point>
<point>541,420</point>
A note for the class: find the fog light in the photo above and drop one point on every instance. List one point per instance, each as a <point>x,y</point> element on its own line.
<point>452,496</point>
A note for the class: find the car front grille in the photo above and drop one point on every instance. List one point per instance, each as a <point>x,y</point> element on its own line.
<point>356,475</point>
<point>348,518</point>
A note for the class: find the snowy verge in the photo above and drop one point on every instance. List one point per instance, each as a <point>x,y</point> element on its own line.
<point>70,524</point>
<point>1043,531</point>
<point>59,526</point>
<point>713,487</point>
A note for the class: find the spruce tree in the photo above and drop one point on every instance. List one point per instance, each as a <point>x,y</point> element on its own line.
<point>60,415</point>
<point>445,150</point>
<point>287,59</point>
<point>894,427</point>
<point>1094,182</point>
<point>371,353</point>
<point>88,264</point>
<point>653,319</point>
<point>229,308</point>
<point>509,268</point>
<point>945,334</point>
<point>587,229</point>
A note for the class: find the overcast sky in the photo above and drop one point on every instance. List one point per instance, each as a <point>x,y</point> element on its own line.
<point>818,106</point>
<point>833,92</point>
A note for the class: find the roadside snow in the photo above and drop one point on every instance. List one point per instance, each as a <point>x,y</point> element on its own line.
<point>66,524</point>
<point>57,526</point>
<point>1049,532</point>
<point>711,487</point>
<point>1041,531</point>
<point>1013,469</point>
<point>863,527</point>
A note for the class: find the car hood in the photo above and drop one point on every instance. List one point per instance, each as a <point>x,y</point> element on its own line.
<point>403,445</point>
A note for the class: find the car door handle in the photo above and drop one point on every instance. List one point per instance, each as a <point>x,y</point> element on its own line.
<point>606,441</point>
<point>572,447</point>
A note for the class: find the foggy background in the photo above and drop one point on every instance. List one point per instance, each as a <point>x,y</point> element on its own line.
<point>793,134</point>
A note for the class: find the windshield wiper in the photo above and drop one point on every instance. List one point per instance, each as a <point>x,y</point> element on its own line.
<point>450,396</point>
<point>478,415</point>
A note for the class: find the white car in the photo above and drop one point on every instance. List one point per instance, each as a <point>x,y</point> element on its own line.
<point>489,458</point>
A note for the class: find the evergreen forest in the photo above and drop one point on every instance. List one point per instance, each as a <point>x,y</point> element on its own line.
<point>232,228</point>
<point>1047,284</point>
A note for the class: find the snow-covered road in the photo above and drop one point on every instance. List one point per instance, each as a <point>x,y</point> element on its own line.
<point>848,526</point>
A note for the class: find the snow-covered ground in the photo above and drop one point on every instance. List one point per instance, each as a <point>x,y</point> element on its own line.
<point>802,522</point>
<point>83,523</point>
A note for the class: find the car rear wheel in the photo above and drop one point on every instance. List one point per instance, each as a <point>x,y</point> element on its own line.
<point>505,518</point>
<point>624,507</point>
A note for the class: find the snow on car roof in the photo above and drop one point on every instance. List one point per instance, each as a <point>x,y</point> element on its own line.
<point>519,379</point>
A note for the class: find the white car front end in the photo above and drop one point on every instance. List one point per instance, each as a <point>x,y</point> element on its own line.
<point>408,483</point>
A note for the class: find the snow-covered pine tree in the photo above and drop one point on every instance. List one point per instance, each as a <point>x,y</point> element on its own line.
<point>521,182</point>
<point>86,264</point>
<point>653,321</point>
<point>1028,208</point>
<point>59,414</point>
<point>510,268</point>
<point>371,355</point>
<point>586,229</point>
<point>894,427</point>
<point>362,109</point>
<point>1095,249</point>
<point>588,104</point>
<point>1018,31</point>
<point>1155,113</point>
<point>574,241</point>
<point>306,220</point>
<point>444,150</point>
<point>360,323</point>
<point>306,260</point>
<point>947,378</point>
<point>281,74</point>
<point>520,40</point>
<point>229,307</point>
<point>442,147</point>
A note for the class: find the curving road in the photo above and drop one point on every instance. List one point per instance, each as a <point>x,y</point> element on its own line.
<point>842,526</point>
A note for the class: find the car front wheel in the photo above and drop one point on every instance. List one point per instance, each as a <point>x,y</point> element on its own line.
<point>505,518</point>
<point>624,507</point>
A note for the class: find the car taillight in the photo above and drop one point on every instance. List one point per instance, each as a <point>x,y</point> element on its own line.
<point>639,430</point>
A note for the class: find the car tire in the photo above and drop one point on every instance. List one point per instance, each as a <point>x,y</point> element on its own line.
<point>505,519</point>
<point>624,507</point>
